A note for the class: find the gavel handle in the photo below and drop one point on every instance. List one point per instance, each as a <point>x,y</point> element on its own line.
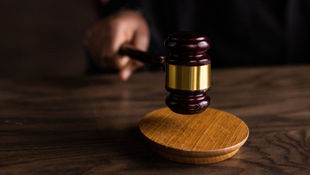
<point>131,51</point>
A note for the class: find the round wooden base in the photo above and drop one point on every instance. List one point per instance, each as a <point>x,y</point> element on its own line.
<point>208,137</point>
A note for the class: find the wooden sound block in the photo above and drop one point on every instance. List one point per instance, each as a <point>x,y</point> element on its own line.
<point>208,137</point>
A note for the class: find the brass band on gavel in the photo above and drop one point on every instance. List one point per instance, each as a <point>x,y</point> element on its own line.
<point>188,77</point>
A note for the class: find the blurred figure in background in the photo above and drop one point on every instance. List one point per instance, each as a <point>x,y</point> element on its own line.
<point>242,33</point>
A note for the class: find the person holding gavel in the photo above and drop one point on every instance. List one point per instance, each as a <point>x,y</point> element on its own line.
<point>242,33</point>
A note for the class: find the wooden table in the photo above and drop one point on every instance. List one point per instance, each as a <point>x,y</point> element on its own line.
<point>89,125</point>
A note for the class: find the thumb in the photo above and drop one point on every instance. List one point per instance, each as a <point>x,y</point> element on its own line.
<point>126,72</point>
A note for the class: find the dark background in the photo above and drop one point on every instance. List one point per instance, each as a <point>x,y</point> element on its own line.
<point>44,38</point>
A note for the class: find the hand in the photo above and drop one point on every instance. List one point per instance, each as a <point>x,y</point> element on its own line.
<point>108,35</point>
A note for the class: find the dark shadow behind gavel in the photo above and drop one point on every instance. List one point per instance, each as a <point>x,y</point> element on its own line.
<point>188,70</point>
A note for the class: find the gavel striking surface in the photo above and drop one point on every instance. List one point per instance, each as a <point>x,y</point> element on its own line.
<point>208,137</point>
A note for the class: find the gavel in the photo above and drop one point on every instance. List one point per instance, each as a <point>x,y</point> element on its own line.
<point>187,68</point>
<point>208,135</point>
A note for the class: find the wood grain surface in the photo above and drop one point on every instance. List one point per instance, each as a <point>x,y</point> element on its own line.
<point>89,125</point>
<point>208,137</point>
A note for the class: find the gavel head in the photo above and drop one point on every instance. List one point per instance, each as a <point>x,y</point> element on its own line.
<point>188,71</point>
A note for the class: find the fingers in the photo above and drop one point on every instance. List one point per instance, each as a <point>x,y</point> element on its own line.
<point>140,40</point>
<point>127,71</point>
<point>120,35</point>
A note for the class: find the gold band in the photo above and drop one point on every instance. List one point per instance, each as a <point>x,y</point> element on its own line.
<point>188,77</point>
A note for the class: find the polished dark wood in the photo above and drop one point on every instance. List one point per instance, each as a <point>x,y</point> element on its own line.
<point>187,49</point>
<point>89,125</point>
<point>131,51</point>
<point>187,102</point>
